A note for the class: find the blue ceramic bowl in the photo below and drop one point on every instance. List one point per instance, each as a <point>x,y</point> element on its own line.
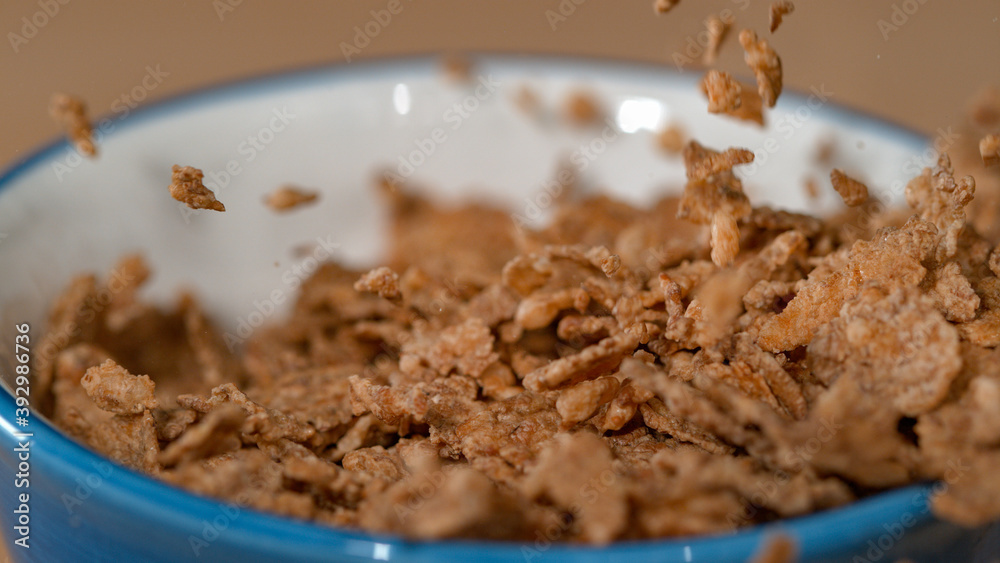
<point>331,127</point>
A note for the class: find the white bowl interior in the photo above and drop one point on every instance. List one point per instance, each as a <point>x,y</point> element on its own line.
<point>334,129</point>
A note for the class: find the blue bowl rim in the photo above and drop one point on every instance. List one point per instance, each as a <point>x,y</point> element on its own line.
<point>420,63</point>
<point>178,509</point>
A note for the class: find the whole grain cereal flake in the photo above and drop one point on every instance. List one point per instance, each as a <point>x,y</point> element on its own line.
<point>717,31</point>
<point>672,139</point>
<point>723,92</point>
<point>989,149</point>
<point>116,390</point>
<point>765,64</point>
<point>728,96</point>
<point>853,192</point>
<point>71,113</point>
<point>751,105</point>
<point>290,197</point>
<point>457,67</point>
<point>526,100</point>
<point>778,11</point>
<point>217,433</point>
<point>725,238</point>
<point>381,281</point>
<point>897,346</point>
<point>778,548</point>
<point>711,162</point>
<point>892,259</point>
<point>582,108</point>
<point>811,187</point>
<point>664,6</point>
<point>186,187</point>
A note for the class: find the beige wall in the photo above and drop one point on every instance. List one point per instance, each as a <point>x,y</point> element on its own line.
<point>919,73</point>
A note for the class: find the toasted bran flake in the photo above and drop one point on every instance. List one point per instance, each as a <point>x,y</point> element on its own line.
<point>853,192</point>
<point>778,11</point>
<point>664,6</point>
<point>71,113</point>
<point>287,198</point>
<point>380,281</point>
<point>186,187</point>
<point>672,139</point>
<point>989,149</point>
<point>777,548</point>
<point>723,92</point>
<point>765,64</point>
<point>717,31</point>
<point>582,108</point>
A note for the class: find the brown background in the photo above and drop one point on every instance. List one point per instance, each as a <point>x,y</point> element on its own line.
<point>919,73</point>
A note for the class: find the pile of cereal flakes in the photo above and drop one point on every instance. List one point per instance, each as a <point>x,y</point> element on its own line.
<point>692,367</point>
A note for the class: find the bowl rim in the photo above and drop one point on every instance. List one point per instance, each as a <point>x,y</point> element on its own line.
<point>419,63</point>
<point>179,509</point>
